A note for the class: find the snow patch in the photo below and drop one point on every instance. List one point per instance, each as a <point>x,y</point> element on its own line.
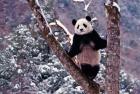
<point>44,68</point>
<point>19,71</point>
<point>114,4</point>
<point>117,6</point>
<point>17,86</point>
<point>12,60</point>
<point>78,0</point>
<point>32,84</point>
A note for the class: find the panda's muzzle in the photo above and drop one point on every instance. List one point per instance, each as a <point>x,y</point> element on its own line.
<point>81,30</point>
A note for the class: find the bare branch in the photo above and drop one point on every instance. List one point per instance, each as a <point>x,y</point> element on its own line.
<point>87,5</point>
<point>94,19</point>
<point>90,87</point>
<point>58,23</point>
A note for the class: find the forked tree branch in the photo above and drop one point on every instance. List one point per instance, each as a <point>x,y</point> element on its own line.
<point>86,5</point>
<point>90,87</point>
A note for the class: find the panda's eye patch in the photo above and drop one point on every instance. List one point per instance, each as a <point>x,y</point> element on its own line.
<point>85,25</point>
<point>78,27</point>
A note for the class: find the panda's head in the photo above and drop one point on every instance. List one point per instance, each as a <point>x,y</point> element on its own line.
<point>83,25</point>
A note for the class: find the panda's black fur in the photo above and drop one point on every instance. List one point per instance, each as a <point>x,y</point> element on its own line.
<point>86,39</point>
<point>83,40</point>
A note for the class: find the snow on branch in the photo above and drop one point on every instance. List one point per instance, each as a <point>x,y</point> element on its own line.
<point>60,24</point>
<point>94,19</point>
<point>90,87</point>
<point>112,4</point>
<point>117,6</point>
<point>78,0</point>
<point>41,11</point>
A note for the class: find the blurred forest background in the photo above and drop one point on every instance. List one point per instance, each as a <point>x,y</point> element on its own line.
<point>28,66</point>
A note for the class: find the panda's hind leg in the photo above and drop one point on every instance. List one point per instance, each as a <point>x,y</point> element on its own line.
<point>90,71</point>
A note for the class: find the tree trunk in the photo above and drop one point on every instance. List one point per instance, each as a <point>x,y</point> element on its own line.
<point>89,86</point>
<point>113,50</point>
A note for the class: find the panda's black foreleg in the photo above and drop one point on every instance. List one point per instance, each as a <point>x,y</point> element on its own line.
<point>75,47</point>
<point>100,44</point>
<point>90,71</point>
<point>103,43</point>
<point>98,41</point>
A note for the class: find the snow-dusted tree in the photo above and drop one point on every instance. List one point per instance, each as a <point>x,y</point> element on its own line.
<point>21,58</point>
<point>28,66</point>
<point>128,83</point>
<point>113,47</point>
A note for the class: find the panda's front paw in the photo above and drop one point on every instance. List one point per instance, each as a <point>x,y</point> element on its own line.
<point>95,48</point>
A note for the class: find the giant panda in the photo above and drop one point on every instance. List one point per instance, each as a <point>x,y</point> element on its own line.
<point>86,45</point>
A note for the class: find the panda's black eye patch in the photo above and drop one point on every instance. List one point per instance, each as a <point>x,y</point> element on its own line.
<point>78,27</point>
<point>85,25</point>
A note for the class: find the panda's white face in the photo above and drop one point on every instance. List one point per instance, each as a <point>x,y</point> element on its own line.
<point>83,26</point>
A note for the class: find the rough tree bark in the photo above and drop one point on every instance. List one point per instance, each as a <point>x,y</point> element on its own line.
<point>90,87</point>
<point>113,49</point>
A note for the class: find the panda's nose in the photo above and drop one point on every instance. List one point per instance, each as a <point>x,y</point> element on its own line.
<point>81,30</point>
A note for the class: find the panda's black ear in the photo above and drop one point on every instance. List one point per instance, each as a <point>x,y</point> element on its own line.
<point>88,18</point>
<point>74,21</point>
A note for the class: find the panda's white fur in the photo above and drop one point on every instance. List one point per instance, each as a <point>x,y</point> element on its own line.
<point>80,23</point>
<point>85,46</point>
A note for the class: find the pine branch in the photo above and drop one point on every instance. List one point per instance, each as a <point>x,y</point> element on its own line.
<point>90,87</point>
